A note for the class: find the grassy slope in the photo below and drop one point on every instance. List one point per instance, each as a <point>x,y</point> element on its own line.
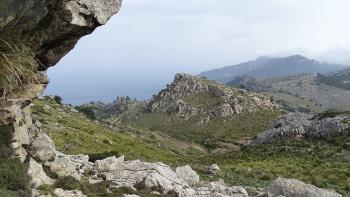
<point>74,134</point>
<point>323,163</point>
<point>230,130</point>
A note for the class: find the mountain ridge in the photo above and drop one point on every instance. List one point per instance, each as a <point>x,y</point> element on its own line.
<point>267,67</point>
<point>319,92</point>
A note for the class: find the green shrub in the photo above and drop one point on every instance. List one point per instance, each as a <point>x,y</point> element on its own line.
<point>87,111</point>
<point>67,183</point>
<point>5,140</point>
<point>58,99</point>
<point>99,156</point>
<point>13,175</point>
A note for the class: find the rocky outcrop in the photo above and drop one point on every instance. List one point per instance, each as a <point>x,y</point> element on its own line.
<point>50,29</point>
<point>299,126</point>
<point>190,96</point>
<point>42,147</point>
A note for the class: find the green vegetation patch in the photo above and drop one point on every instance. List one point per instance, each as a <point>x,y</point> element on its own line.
<point>203,100</point>
<point>324,163</point>
<point>219,129</point>
<point>14,180</point>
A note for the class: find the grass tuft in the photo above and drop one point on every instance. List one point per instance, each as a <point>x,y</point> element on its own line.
<point>18,65</point>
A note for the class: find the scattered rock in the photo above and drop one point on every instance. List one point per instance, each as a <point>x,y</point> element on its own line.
<point>130,195</point>
<point>109,142</point>
<point>65,193</point>
<point>295,188</point>
<point>213,169</point>
<point>65,165</point>
<point>188,175</point>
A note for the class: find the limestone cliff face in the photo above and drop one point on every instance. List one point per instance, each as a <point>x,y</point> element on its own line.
<point>50,28</point>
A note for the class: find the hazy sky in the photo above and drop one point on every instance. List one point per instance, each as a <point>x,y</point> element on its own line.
<point>143,46</point>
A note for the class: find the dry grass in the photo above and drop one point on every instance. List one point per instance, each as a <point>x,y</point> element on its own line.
<point>18,65</point>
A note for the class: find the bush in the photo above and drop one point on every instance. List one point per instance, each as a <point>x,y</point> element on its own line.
<point>5,140</point>
<point>99,156</point>
<point>58,99</point>
<point>87,111</point>
<point>67,183</point>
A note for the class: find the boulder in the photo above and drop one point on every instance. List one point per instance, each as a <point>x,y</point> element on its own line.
<point>63,167</point>
<point>43,148</point>
<point>109,164</point>
<point>188,175</point>
<point>295,188</point>
<point>18,151</point>
<point>219,187</point>
<point>37,174</point>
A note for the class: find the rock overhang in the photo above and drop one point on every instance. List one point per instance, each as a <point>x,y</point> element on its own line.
<point>52,28</point>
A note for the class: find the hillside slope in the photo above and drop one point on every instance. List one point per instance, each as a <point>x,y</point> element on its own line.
<point>322,162</point>
<point>267,67</point>
<point>73,133</point>
<point>314,92</point>
<point>198,111</point>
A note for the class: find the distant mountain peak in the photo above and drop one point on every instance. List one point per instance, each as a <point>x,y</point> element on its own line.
<point>269,67</point>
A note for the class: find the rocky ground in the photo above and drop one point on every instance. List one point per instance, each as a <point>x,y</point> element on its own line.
<point>314,91</point>
<point>300,125</point>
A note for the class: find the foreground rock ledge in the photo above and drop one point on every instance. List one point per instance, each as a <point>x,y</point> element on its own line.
<point>155,177</point>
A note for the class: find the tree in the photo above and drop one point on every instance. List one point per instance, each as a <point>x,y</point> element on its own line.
<point>58,99</point>
<point>87,111</point>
